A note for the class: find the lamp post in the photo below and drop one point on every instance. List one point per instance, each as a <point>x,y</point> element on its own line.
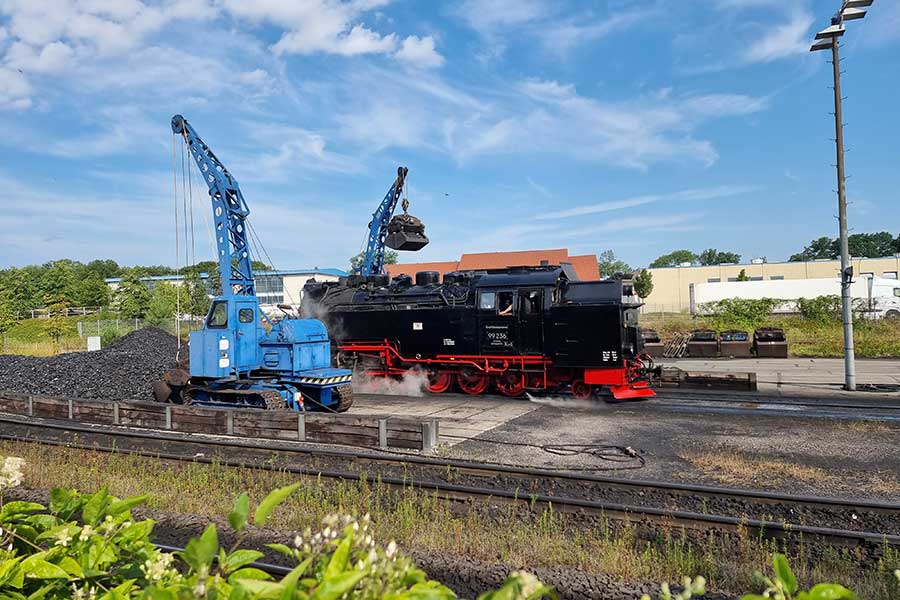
<point>827,39</point>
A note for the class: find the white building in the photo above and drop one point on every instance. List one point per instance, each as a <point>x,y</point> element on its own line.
<point>272,287</point>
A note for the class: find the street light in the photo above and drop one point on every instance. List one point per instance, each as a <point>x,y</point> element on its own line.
<point>851,10</point>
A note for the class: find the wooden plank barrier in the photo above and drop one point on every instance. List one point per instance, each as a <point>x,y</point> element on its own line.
<point>371,431</point>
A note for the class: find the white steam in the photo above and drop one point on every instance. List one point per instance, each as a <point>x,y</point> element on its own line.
<point>412,383</point>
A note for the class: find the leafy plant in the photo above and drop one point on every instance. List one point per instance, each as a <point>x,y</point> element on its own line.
<point>739,313</point>
<point>90,546</point>
<point>784,586</point>
<point>643,283</point>
<point>820,309</point>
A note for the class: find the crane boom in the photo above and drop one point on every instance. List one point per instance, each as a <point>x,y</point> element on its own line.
<point>378,227</point>
<point>230,214</point>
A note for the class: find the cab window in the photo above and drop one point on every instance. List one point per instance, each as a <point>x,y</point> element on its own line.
<point>897,292</point>
<point>531,302</point>
<point>487,300</point>
<point>505,304</point>
<point>245,315</point>
<point>218,315</point>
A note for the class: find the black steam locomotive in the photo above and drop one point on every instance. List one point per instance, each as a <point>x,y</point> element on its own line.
<point>520,329</point>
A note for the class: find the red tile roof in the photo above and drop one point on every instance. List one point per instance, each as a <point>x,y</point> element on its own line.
<point>585,265</point>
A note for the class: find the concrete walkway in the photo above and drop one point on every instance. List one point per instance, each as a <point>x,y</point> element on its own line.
<point>794,375</point>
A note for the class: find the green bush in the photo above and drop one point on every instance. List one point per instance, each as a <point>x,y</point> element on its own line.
<point>109,335</point>
<point>90,547</point>
<point>820,309</point>
<point>739,313</point>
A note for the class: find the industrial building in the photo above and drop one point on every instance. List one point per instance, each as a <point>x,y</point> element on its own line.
<point>585,265</point>
<point>671,285</point>
<point>272,287</point>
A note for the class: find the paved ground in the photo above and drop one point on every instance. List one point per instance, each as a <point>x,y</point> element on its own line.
<point>461,417</point>
<point>799,375</point>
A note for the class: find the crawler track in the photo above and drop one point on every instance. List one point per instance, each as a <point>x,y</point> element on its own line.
<point>855,523</point>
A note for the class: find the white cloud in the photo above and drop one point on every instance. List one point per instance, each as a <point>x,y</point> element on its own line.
<point>280,152</point>
<point>699,194</point>
<point>55,57</point>
<point>781,40</point>
<point>420,52</point>
<point>487,16</point>
<point>15,91</point>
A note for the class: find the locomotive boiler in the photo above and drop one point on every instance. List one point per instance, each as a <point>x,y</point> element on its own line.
<point>516,330</point>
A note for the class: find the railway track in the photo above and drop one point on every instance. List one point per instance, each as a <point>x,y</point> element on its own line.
<point>856,523</point>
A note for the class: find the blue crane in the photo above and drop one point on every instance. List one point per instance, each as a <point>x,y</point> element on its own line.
<point>403,232</point>
<point>240,357</point>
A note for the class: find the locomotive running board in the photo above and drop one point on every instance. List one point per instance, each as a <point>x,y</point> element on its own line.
<point>626,392</point>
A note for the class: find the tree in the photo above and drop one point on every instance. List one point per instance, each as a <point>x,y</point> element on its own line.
<point>104,268</point>
<point>711,256</point>
<point>673,259</point>
<point>742,276</point>
<point>197,296</point>
<point>356,262</point>
<point>870,245</point>
<point>19,291</point>
<point>132,295</point>
<point>163,304</point>
<point>90,290</point>
<point>7,320</point>
<point>55,323</point>
<point>643,283</point>
<point>822,247</point>
<point>609,265</point>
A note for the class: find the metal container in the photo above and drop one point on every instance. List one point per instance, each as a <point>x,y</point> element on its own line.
<point>703,344</point>
<point>735,344</point>
<point>770,342</point>
<point>652,344</point>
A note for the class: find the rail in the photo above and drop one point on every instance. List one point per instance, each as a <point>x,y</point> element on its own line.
<point>519,486</point>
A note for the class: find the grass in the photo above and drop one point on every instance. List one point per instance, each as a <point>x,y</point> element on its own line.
<point>416,520</point>
<point>873,339</point>
<point>735,468</point>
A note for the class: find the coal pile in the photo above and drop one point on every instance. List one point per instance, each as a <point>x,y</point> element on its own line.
<point>125,370</point>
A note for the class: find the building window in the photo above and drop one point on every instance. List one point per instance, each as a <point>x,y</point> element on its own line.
<point>756,279</point>
<point>890,275</point>
<point>714,280</point>
<point>732,279</point>
<point>776,277</point>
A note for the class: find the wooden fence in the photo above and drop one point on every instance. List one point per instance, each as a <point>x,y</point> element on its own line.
<point>369,430</point>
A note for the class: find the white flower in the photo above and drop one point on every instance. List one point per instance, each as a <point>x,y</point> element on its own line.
<point>86,532</point>
<point>391,549</point>
<point>530,583</point>
<point>11,472</point>
<point>63,538</point>
<point>157,567</point>
<point>298,541</point>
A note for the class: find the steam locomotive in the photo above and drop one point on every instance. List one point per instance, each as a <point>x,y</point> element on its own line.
<point>517,329</point>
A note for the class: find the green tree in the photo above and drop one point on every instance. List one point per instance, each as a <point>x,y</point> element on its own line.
<point>197,297</point>
<point>163,304</point>
<point>7,320</point>
<point>609,265</point>
<point>104,268</point>
<point>132,295</point>
<point>643,283</point>
<point>20,291</point>
<point>673,259</point>
<point>820,248</point>
<point>870,245</point>
<point>55,323</point>
<point>90,290</point>
<point>57,279</point>
<point>742,276</point>
<point>711,256</point>
<point>356,262</point>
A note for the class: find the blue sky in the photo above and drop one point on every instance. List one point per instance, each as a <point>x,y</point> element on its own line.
<point>639,126</point>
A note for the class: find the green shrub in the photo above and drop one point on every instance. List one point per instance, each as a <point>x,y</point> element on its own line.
<point>739,313</point>
<point>108,335</point>
<point>820,309</point>
<point>90,547</point>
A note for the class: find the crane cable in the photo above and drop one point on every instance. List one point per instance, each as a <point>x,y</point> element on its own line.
<point>177,251</point>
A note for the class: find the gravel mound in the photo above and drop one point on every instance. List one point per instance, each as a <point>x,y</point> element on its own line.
<point>124,370</point>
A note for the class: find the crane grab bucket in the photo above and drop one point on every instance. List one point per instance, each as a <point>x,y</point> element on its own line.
<point>406,232</point>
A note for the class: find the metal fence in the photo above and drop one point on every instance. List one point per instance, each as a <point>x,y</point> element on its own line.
<point>123,326</point>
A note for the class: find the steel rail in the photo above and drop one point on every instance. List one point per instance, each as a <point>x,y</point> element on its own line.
<point>450,491</point>
<point>485,469</point>
<point>763,399</point>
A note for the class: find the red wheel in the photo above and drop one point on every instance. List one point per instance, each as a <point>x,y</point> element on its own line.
<point>439,381</point>
<point>581,390</point>
<point>511,384</point>
<point>472,382</point>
